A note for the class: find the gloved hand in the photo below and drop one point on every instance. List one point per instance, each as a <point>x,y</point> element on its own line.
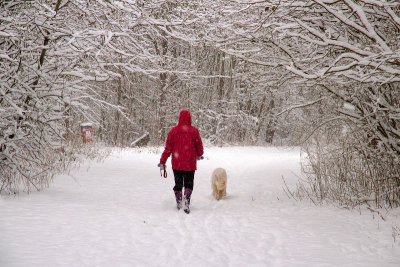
<point>200,157</point>
<point>161,166</point>
<point>163,170</point>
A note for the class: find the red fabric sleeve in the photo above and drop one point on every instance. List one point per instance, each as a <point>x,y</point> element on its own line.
<point>167,149</point>
<point>199,144</point>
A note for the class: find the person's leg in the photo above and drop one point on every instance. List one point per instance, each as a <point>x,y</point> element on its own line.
<point>178,175</point>
<point>188,179</point>
<point>188,184</point>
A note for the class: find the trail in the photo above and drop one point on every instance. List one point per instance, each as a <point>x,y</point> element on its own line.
<point>120,212</point>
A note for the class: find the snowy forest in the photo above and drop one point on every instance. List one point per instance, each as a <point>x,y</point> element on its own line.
<point>320,74</point>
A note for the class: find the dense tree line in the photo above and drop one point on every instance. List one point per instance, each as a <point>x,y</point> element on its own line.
<point>320,73</point>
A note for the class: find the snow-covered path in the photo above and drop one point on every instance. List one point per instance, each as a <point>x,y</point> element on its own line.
<point>122,213</point>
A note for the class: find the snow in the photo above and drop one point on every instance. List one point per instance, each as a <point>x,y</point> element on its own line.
<point>120,212</point>
<point>86,124</point>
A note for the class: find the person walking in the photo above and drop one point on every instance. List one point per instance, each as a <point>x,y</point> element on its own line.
<point>186,147</point>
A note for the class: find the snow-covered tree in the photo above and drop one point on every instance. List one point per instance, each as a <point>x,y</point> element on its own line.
<point>322,71</point>
<point>351,51</point>
<point>344,53</point>
<point>51,65</point>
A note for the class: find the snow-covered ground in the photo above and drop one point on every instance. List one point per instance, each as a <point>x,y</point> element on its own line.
<point>120,212</point>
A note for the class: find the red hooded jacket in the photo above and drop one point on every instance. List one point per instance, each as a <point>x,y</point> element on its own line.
<point>184,143</point>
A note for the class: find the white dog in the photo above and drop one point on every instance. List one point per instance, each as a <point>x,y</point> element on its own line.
<point>218,183</point>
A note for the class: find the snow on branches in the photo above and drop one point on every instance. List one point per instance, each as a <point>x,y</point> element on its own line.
<point>52,59</point>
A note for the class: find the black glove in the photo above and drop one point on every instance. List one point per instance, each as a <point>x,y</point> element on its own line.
<point>163,170</point>
<point>161,166</point>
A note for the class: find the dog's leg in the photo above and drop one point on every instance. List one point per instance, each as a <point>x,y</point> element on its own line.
<point>219,195</point>
<point>214,191</point>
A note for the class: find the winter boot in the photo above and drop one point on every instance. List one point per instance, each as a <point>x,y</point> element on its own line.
<point>178,197</point>
<point>188,193</point>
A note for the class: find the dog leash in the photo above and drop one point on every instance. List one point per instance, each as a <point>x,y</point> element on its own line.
<point>163,173</point>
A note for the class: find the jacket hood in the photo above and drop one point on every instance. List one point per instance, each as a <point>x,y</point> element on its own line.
<point>185,118</point>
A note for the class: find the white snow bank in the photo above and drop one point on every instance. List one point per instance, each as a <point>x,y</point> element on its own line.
<point>122,213</point>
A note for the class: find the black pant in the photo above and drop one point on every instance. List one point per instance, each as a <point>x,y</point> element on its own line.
<point>183,179</point>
